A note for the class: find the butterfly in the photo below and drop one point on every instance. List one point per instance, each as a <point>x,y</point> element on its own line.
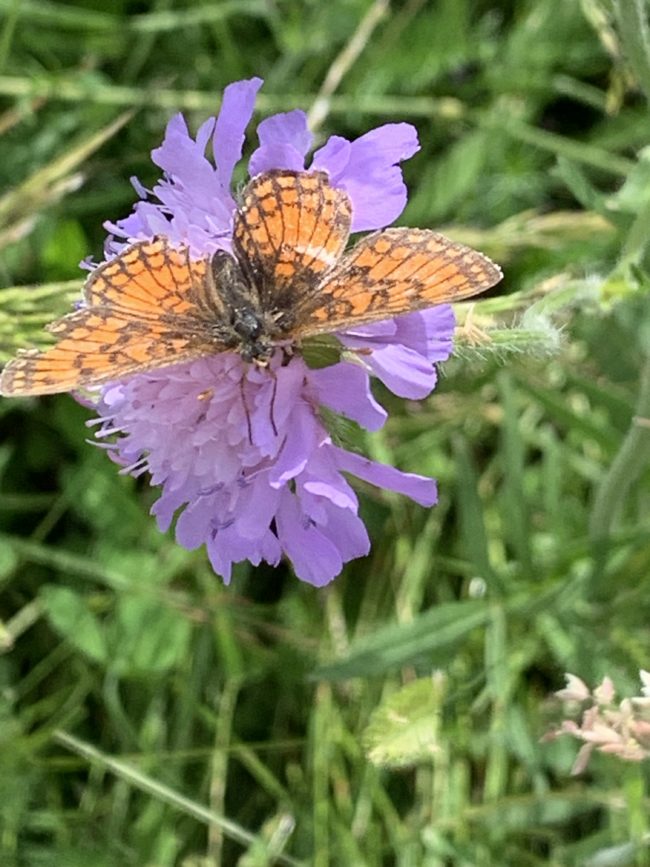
<point>288,278</point>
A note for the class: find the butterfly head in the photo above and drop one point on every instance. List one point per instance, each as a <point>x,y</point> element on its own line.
<point>254,343</point>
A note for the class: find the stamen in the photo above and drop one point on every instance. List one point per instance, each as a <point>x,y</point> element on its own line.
<point>137,468</point>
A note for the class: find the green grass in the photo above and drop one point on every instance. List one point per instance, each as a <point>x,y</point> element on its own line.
<point>151,716</point>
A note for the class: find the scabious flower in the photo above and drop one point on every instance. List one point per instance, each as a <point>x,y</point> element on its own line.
<point>242,454</point>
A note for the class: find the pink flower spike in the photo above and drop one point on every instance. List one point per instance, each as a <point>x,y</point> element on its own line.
<point>605,692</point>
<point>582,759</point>
<point>575,689</point>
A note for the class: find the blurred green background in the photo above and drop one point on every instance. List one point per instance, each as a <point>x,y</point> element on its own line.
<point>150,716</point>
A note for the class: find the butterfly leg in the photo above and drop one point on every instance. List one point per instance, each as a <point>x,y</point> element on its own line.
<point>272,404</point>
<point>242,389</point>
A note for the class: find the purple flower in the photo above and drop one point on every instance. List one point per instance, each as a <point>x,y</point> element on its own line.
<point>242,454</point>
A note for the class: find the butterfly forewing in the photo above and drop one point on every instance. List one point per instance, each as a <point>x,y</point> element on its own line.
<point>394,272</point>
<point>149,278</point>
<point>149,307</point>
<point>291,229</point>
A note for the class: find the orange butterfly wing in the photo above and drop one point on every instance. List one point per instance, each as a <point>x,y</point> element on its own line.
<point>153,305</point>
<point>149,278</point>
<point>146,308</point>
<point>95,346</point>
<point>394,272</point>
<point>291,229</point>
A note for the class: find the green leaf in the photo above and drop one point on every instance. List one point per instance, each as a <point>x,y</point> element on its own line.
<point>403,730</point>
<point>147,636</point>
<point>635,191</point>
<point>433,634</point>
<point>580,186</point>
<point>70,614</point>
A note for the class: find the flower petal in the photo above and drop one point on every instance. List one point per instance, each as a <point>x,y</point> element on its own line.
<point>418,488</point>
<point>229,130</point>
<point>440,325</point>
<point>349,533</point>
<point>226,547</point>
<point>192,183</point>
<point>371,176</point>
<point>400,351</point>
<point>405,372</point>
<point>284,142</point>
<point>345,388</point>
<point>302,437</point>
<point>315,557</point>
<point>333,157</point>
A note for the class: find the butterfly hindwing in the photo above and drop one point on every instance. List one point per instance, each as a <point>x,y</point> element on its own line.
<point>291,229</point>
<point>97,345</point>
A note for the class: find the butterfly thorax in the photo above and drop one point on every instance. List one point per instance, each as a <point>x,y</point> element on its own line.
<point>242,322</point>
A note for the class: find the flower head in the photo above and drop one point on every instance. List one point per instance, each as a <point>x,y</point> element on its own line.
<point>621,730</point>
<point>241,452</point>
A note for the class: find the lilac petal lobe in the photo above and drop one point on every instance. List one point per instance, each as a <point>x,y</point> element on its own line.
<point>385,145</point>
<point>402,370</point>
<point>401,351</point>
<point>323,481</point>
<point>193,524</point>
<point>345,388</point>
<point>372,209</point>
<point>315,558</point>
<point>349,532</point>
<point>333,157</point>
<point>302,438</point>
<point>371,176</point>
<point>284,142</point>
<point>418,488</point>
<point>440,325</point>
<point>205,133</point>
<point>233,118</point>
<point>257,508</point>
